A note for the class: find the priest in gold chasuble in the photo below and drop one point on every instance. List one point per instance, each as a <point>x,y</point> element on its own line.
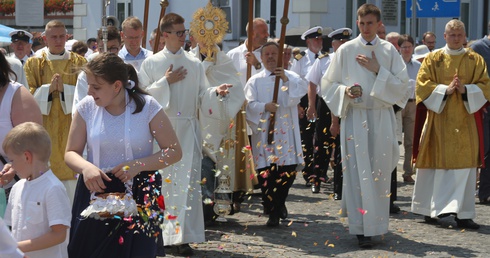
<point>452,86</point>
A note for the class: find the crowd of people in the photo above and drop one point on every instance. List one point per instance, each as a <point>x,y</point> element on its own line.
<point>114,150</point>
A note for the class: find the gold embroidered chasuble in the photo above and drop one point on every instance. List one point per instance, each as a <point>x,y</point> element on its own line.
<point>39,71</point>
<point>450,139</point>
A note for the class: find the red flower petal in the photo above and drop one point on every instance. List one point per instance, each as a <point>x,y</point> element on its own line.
<point>161,202</point>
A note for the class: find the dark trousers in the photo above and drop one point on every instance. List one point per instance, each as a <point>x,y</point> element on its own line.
<point>316,140</point>
<point>337,168</point>
<point>275,182</point>
<point>393,187</point>
<point>307,131</point>
<point>484,190</point>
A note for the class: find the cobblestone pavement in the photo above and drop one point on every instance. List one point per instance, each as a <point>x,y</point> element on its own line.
<point>314,229</point>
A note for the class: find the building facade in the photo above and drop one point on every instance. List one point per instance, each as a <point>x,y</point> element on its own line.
<point>302,15</point>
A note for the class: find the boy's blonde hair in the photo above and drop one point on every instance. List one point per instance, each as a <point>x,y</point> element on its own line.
<point>29,136</point>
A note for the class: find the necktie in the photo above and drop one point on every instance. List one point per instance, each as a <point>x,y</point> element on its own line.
<point>22,61</point>
<point>316,56</point>
<point>369,44</point>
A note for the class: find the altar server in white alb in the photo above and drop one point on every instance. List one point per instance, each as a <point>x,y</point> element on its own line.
<point>275,163</point>
<point>368,127</point>
<point>177,81</point>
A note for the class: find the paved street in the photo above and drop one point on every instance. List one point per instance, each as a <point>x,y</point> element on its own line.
<point>314,229</point>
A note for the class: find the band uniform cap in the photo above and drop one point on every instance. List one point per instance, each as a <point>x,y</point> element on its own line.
<point>312,33</point>
<point>420,51</point>
<point>342,33</point>
<point>17,35</point>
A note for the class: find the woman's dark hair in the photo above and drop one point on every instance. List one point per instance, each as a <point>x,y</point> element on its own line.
<point>111,68</point>
<point>5,71</point>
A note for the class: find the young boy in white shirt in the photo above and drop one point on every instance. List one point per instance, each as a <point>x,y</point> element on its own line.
<point>38,209</point>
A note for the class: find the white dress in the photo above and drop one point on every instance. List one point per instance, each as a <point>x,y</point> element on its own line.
<point>112,133</point>
<point>112,140</point>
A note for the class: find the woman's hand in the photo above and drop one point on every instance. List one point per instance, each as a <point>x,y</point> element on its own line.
<point>7,174</point>
<point>125,172</point>
<point>94,179</point>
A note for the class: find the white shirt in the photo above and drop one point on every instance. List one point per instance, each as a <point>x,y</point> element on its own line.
<point>238,56</point>
<point>34,206</point>
<point>303,65</point>
<point>317,71</point>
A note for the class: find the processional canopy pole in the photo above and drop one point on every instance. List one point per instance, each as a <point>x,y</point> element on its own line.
<point>250,36</point>
<point>163,4</point>
<point>145,23</point>
<point>284,23</point>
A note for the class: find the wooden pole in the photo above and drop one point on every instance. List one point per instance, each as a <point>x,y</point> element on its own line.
<point>284,22</point>
<point>250,45</point>
<point>164,5</point>
<point>145,22</point>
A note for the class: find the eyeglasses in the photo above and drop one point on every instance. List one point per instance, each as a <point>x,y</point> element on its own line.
<point>179,33</point>
<point>132,38</point>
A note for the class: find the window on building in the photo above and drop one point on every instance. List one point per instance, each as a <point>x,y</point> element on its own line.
<point>124,9</point>
<point>244,15</point>
<point>349,20</point>
<point>225,6</point>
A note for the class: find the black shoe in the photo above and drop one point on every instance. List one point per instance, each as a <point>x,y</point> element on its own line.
<point>182,250</point>
<point>267,209</point>
<point>394,209</point>
<point>364,241</point>
<point>236,207</point>
<point>445,215</point>
<point>337,196</point>
<point>466,223</point>
<point>308,183</point>
<point>283,213</point>
<point>430,220</point>
<point>273,221</point>
<point>160,246</point>
<point>160,251</point>
<point>315,188</point>
<point>485,201</point>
